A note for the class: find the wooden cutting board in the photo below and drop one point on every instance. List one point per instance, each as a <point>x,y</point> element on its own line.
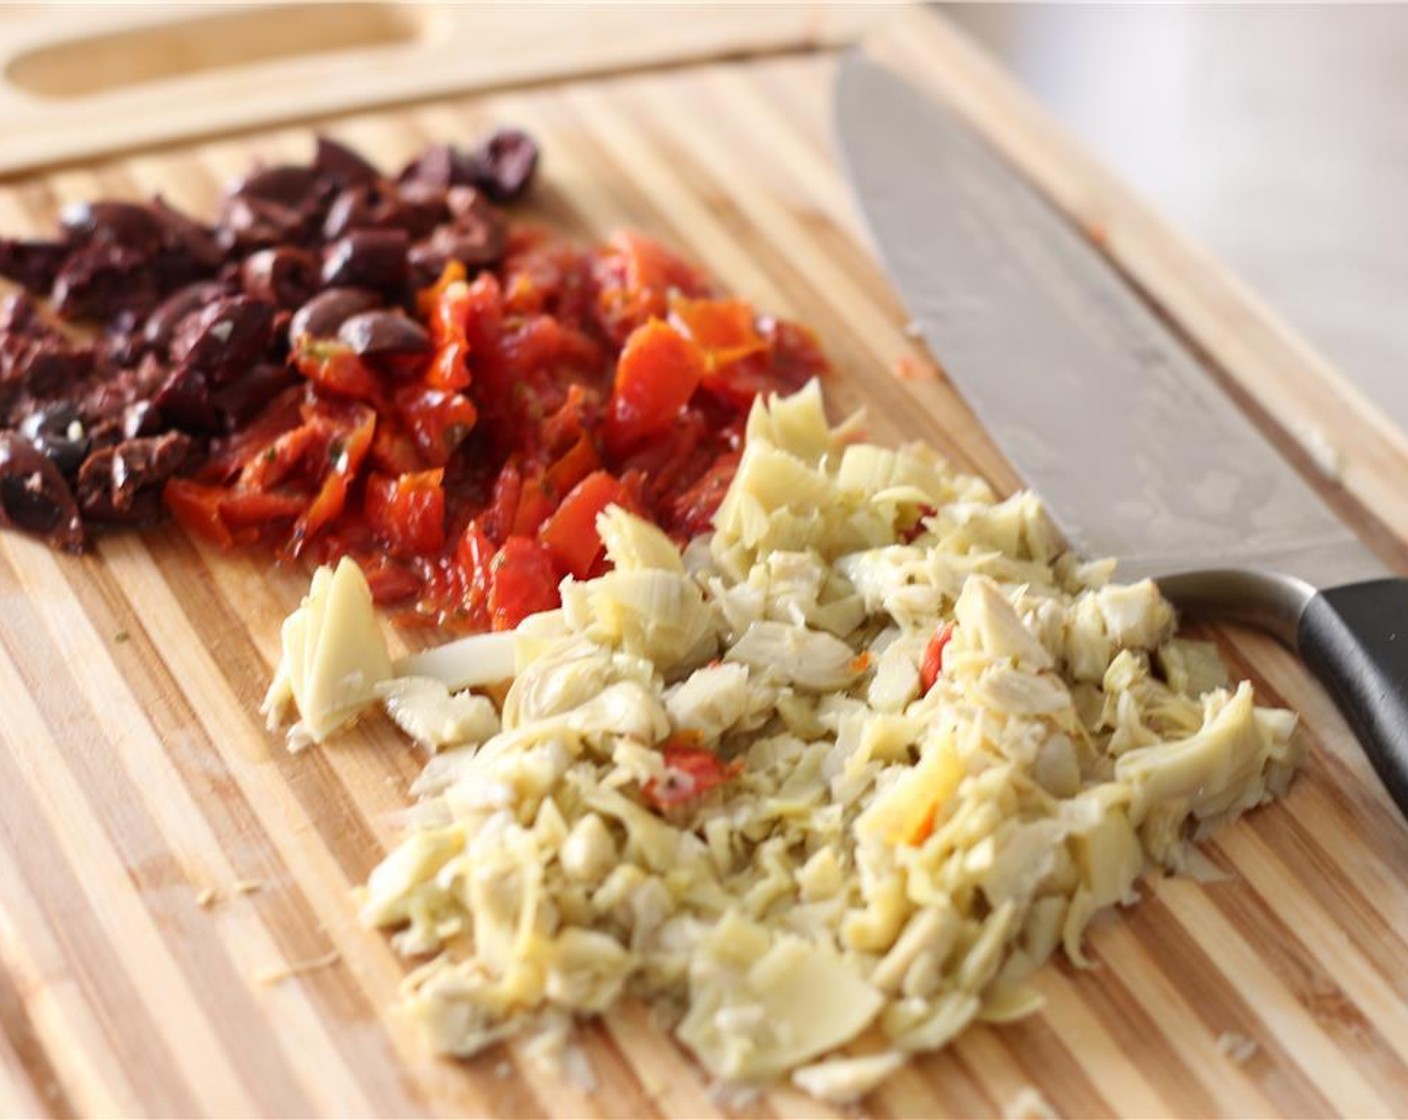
<point>136,776</point>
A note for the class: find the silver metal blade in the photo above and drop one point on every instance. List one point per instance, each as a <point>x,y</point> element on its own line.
<point>1104,412</point>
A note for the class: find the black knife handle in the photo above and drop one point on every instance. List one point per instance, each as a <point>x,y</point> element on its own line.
<point>1355,640</point>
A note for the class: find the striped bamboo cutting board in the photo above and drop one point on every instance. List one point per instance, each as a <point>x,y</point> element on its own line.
<point>163,862</point>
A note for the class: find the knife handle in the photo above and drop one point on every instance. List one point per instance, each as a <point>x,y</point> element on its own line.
<point>1355,640</point>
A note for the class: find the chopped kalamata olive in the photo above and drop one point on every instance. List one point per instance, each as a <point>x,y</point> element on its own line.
<point>50,365</point>
<point>161,324</point>
<point>18,315</point>
<point>128,224</point>
<point>34,496</point>
<point>420,208</point>
<point>123,482</point>
<point>322,315</point>
<point>351,209</point>
<point>184,400</point>
<point>238,401</point>
<point>32,264</point>
<point>283,183</point>
<point>341,164</point>
<point>106,398</point>
<point>253,223</point>
<point>504,164</point>
<point>140,418</point>
<point>225,338</point>
<point>285,276</point>
<point>99,280</point>
<point>440,165</point>
<point>56,430</point>
<point>185,234</point>
<point>384,334</point>
<point>368,258</point>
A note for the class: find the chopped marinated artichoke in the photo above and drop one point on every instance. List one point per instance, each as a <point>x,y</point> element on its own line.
<point>859,766</point>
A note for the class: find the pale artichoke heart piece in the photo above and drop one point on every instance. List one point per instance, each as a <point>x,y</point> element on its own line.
<point>902,812</point>
<point>911,475</point>
<point>334,653</point>
<point>634,544</point>
<point>795,424</point>
<point>435,718</point>
<point>709,701</point>
<point>401,875</point>
<point>480,659</point>
<point>987,618</point>
<point>1203,774</point>
<point>1135,614</point>
<point>807,658</point>
<point>809,1000</point>
<point>654,614</point>
<point>844,1081</point>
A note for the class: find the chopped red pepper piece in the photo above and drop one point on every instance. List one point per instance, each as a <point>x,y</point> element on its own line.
<point>690,773</point>
<point>657,374</point>
<point>334,367</point>
<point>522,582</point>
<point>197,509</point>
<point>408,512</point>
<point>722,328</point>
<point>570,533</point>
<point>933,663</point>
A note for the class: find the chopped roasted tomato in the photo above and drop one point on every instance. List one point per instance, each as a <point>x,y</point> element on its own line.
<point>334,367</point>
<point>722,328</point>
<point>344,459</point>
<point>657,374</point>
<point>690,772</point>
<point>933,663</point>
<point>570,534</point>
<point>438,420</point>
<point>408,512</point>
<point>449,310</point>
<point>521,582</point>
<point>197,509</point>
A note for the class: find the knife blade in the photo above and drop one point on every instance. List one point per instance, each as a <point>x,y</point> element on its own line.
<point>1133,446</point>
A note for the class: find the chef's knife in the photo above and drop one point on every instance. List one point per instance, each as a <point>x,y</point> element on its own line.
<point>1137,452</point>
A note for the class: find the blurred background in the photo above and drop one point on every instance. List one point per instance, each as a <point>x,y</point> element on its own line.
<point>1275,135</point>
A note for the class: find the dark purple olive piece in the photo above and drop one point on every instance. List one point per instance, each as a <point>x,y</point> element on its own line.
<point>439,165</point>
<point>57,432</point>
<point>341,164</point>
<point>351,209</point>
<point>240,400</point>
<point>285,276</point>
<point>322,315</point>
<point>384,334</point>
<point>34,496</point>
<point>31,264</point>
<point>420,208</point>
<point>123,482</point>
<point>51,365</point>
<point>225,338</point>
<point>140,418</point>
<point>18,314</point>
<point>188,236</point>
<point>99,280</point>
<point>285,184</point>
<point>128,224</point>
<point>161,323</point>
<point>504,164</point>
<point>253,223</point>
<point>368,258</point>
<point>184,400</point>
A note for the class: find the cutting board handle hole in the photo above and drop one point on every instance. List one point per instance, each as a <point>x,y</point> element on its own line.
<point>220,40</point>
